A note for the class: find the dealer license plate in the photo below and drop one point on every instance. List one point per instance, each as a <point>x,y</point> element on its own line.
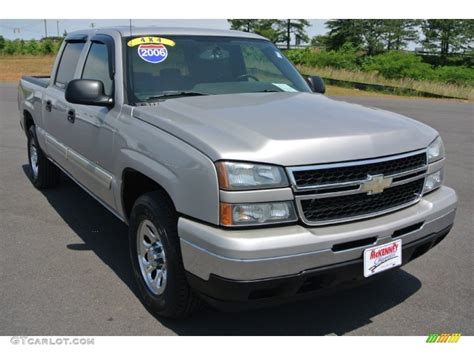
<point>382,257</point>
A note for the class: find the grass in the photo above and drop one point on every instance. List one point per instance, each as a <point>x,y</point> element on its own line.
<point>332,90</point>
<point>465,92</point>
<point>12,68</point>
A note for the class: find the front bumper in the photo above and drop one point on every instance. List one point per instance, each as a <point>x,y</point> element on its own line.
<point>235,295</point>
<point>270,265</point>
<point>256,254</point>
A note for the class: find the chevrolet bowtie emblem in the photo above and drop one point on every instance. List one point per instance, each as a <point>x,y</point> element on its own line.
<point>375,184</point>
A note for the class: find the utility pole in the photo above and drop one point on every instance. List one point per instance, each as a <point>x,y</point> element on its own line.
<point>57,26</point>
<point>288,33</point>
<point>45,29</point>
<point>130,27</point>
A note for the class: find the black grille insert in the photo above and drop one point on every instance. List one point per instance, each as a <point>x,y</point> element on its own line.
<point>351,206</point>
<point>407,230</point>
<point>307,178</point>
<point>354,244</point>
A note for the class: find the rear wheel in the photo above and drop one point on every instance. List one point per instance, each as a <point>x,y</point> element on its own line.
<point>156,257</point>
<point>44,174</point>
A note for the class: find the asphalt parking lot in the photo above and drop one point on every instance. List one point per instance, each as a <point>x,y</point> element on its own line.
<point>64,267</point>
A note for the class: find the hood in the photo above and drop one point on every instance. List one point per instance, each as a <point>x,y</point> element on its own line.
<point>285,128</point>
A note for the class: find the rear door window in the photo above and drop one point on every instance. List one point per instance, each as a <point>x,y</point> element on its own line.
<point>68,63</point>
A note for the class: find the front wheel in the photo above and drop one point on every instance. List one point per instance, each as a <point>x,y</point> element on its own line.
<point>44,174</point>
<point>156,257</point>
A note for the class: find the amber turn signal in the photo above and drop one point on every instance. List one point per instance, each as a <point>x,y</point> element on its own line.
<point>225,214</point>
<point>222,175</point>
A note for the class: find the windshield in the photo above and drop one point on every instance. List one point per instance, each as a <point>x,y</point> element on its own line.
<point>174,66</point>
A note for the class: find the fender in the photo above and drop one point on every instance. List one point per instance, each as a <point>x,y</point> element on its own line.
<point>190,174</point>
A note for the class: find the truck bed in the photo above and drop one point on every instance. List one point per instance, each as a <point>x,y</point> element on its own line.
<point>42,81</point>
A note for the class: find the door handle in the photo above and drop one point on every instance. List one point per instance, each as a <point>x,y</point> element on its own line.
<point>71,115</point>
<point>48,106</point>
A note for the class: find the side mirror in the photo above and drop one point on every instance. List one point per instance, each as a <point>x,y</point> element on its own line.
<point>316,84</point>
<point>88,92</point>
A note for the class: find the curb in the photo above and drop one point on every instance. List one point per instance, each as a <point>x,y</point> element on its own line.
<point>385,88</point>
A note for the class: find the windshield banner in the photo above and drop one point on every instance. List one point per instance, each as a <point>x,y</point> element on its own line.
<point>150,40</point>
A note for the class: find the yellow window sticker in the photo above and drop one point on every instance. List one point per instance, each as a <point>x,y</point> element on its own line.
<point>150,40</point>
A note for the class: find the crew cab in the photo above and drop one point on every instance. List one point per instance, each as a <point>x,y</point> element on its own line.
<point>241,183</point>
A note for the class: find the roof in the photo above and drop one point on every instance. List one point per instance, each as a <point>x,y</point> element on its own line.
<point>156,30</point>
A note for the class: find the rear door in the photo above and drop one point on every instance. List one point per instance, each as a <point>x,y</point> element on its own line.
<point>57,122</point>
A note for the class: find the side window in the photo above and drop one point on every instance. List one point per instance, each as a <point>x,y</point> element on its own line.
<point>97,66</point>
<point>68,63</point>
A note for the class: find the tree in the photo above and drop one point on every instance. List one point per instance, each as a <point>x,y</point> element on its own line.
<point>319,41</point>
<point>46,46</point>
<point>12,47</point>
<point>373,35</point>
<point>269,29</point>
<point>246,25</point>
<point>342,32</point>
<point>297,28</point>
<point>397,33</point>
<point>57,45</point>
<point>371,32</point>
<point>2,43</point>
<point>32,47</point>
<point>448,36</point>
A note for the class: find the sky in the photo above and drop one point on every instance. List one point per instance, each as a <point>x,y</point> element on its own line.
<point>29,29</point>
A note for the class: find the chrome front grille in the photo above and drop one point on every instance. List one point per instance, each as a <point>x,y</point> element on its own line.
<point>348,206</point>
<point>340,173</point>
<point>341,192</point>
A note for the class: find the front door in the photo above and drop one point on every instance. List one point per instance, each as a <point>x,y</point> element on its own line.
<point>92,133</point>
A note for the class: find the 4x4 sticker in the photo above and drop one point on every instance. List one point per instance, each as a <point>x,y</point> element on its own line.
<point>150,40</point>
<point>152,49</point>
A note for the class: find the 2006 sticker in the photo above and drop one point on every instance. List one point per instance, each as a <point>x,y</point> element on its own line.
<point>153,53</point>
<point>152,49</point>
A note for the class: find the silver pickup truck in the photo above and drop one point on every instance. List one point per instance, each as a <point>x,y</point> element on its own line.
<point>241,183</point>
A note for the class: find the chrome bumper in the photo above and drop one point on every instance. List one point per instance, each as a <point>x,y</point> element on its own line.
<point>279,251</point>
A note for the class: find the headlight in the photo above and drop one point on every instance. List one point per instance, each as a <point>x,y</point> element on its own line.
<point>248,176</point>
<point>433,181</point>
<point>435,150</point>
<point>243,214</point>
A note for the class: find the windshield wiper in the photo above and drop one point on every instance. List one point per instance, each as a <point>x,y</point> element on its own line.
<point>269,90</point>
<point>174,94</point>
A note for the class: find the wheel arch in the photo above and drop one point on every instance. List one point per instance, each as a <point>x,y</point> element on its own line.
<point>28,120</point>
<point>134,184</point>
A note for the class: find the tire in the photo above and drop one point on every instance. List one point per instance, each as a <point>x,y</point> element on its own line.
<point>44,174</point>
<point>154,214</point>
